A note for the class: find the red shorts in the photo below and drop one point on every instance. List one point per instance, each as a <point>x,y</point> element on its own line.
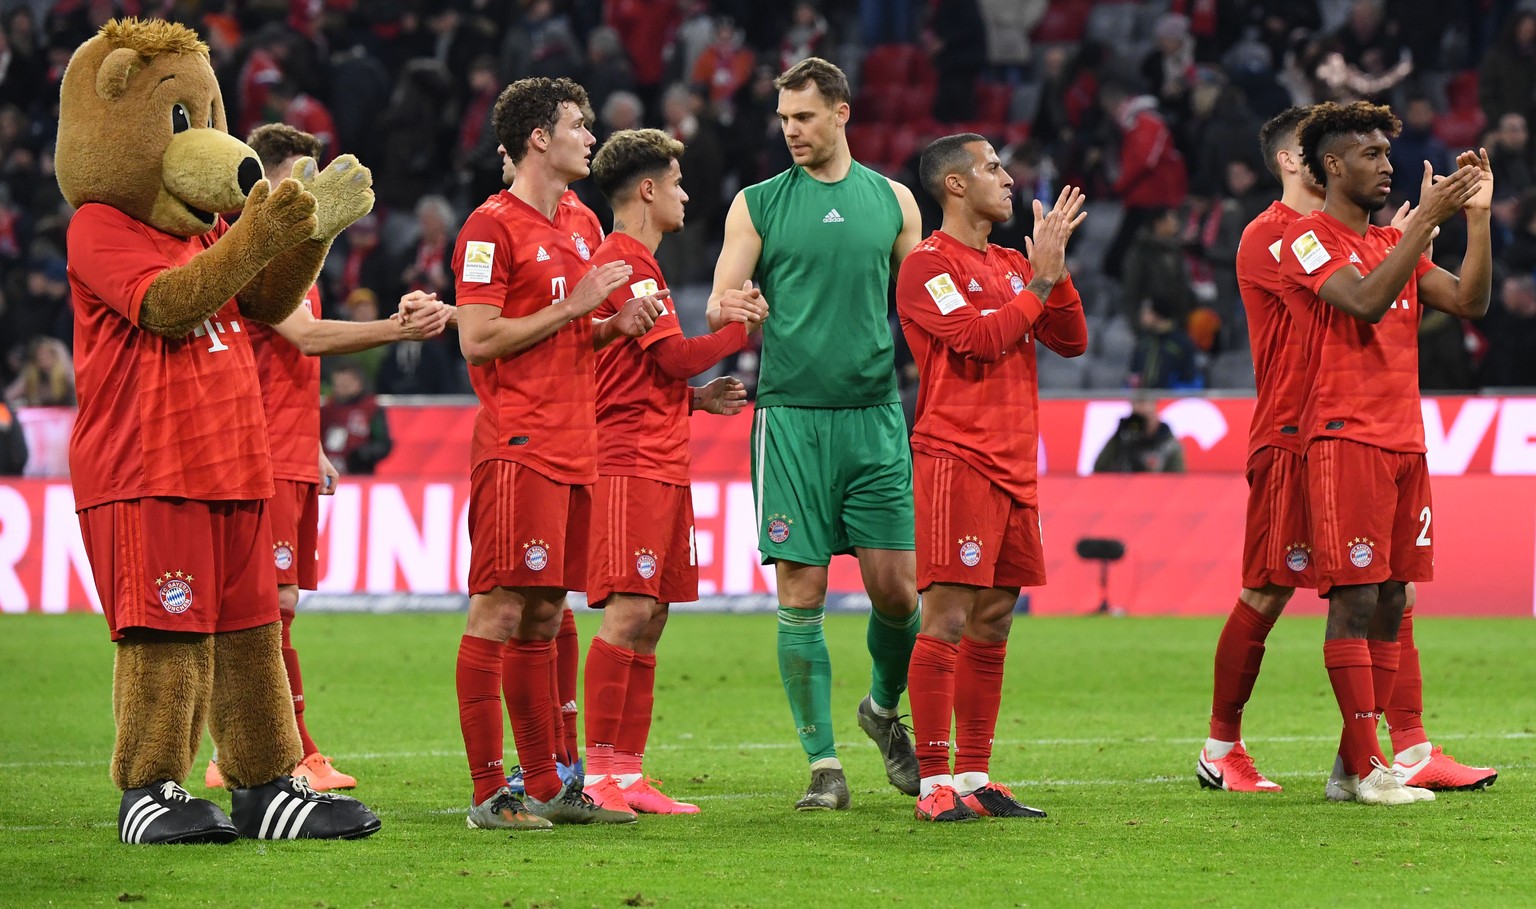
<point>642,541</point>
<point>181,564</point>
<point>971,532</point>
<point>296,533</point>
<point>526,530</point>
<point>1276,547</point>
<point>1370,514</point>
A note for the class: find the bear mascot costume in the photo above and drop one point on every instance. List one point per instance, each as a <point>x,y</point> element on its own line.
<point>169,457</point>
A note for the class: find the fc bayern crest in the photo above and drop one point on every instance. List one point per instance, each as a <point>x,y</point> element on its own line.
<point>581,247</point>
<point>282,556</point>
<point>535,556</point>
<point>1360,554</point>
<point>970,552</point>
<point>175,594</point>
<point>1296,559</point>
<point>645,564</point>
<point>778,529</point>
<point>1017,283</point>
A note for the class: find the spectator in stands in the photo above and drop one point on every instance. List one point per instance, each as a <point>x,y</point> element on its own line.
<point>474,151</point>
<point>1008,24</point>
<point>957,43</point>
<point>1155,269</point>
<point>1165,356</point>
<point>1444,363</point>
<point>358,261</point>
<point>1220,136</point>
<point>1520,254</point>
<point>1507,79</point>
<point>888,21</point>
<point>1509,150</point>
<point>1142,443</point>
<point>645,26</point>
<point>684,257</point>
<point>429,255</point>
<point>353,429</point>
<point>13,443</point>
<point>1280,25</point>
<point>287,104</point>
<point>622,110</point>
<point>805,36</point>
<point>1418,143</point>
<point>409,153</point>
<point>1510,329</point>
<point>1368,58</point>
<point>431,367</point>
<point>1152,177</point>
<point>724,66</point>
<point>1169,68</point>
<point>47,376</point>
<point>1033,179</point>
<point>608,67</point>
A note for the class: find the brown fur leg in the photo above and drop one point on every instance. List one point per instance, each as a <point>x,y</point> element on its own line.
<point>251,715</point>
<point>160,689</point>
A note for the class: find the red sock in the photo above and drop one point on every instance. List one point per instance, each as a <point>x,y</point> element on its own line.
<point>1349,669</point>
<point>1384,660</point>
<point>931,691</point>
<point>607,678</point>
<point>527,681</point>
<point>478,675</point>
<point>568,661</point>
<point>635,727</point>
<point>978,697</point>
<point>296,683</point>
<point>1405,711</point>
<point>557,715</point>
<point>1239,651</point>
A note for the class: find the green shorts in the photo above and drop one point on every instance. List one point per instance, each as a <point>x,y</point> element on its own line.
<point>827,480</point>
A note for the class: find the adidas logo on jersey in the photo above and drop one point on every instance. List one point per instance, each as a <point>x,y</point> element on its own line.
<point>1354,257</point>
<point>542,256</point>
<point>832,218</point>
<point>974,287</point>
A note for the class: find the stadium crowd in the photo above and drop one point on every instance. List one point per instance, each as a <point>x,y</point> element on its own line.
<point>1151,107</point>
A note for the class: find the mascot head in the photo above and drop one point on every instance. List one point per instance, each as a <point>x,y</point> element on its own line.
<point>142,128</point>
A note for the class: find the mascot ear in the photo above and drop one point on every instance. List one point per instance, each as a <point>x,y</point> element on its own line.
<point>112,78</point>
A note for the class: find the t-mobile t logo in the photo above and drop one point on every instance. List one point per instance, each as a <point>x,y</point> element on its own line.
<point>214,331</point>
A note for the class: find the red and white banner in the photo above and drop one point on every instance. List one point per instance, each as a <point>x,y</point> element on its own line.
<point>1182,536</point>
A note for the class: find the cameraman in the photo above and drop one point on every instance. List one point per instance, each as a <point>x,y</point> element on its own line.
<point>1142,443</point>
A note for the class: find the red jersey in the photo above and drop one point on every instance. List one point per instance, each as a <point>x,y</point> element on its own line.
<point>178,418</point>
<point>968,321</point>
<point>642,411</point>
<point>1363,378</point>
<point>537,405</point>
<point>1279,360</point>
<point>290,391</point>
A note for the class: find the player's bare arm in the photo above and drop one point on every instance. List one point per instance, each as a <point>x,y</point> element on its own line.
<point>724,395</point>
<point>1467,296</point>
<point>733,270</point>
<point>633,319</point>
<point>485,334</point>
<point>1368,297</point>
<point>911,224</point>
<point>330,337</point>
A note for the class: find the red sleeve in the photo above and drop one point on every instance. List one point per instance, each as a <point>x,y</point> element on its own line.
<point>1063,327</point>
<point>684,358</point>
<point>117,257</point>
<point>1309,257</point>
<point>927,294</point>
<point>482,262</point>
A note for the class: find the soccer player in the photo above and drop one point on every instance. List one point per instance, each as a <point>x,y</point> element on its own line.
<point>525,290</point>
<point>290,388</point>
<point>1355,290</point>
<point>1277,554</point>
<point>972,312</point>
<point>832,472</point>
<point>642,553</point>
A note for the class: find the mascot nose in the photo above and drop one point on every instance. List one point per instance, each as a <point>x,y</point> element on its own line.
<point>250,172</point>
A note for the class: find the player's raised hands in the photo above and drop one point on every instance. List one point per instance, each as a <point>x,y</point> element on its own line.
<point>1047,249</point>
<point>597,284</point>
<point>1445,196</point>
<point>724,395</point>
<point>746,305</point>
<point>1070,206</point>
<point>637,315</point>
<point>1483,199</point>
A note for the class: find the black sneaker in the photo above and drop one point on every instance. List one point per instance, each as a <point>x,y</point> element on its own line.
<point>995,800</point>
<point>828,792</point>
<point>894,739</point>
<point>287,809</point>
<point>573,806</point>
<point>163,812</point>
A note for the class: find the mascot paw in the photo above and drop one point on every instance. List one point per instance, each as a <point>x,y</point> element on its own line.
<point>280,218</point>
<point>344,191</point>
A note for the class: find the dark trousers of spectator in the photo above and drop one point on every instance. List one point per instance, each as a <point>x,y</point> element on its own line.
<point>1132,221</point>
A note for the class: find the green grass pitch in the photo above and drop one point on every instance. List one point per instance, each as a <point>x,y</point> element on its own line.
<point>1102,720</point>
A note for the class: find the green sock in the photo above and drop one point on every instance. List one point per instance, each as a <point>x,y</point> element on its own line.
<point>806,670</point>
<point>890,643</point>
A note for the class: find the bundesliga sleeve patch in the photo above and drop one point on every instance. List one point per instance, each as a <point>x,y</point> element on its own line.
<point>1274,250</point>
<point>942,289</point>
<point>478,256</point>
<point>1310,252</point>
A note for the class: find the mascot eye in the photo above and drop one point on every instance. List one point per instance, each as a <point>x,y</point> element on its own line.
<point>180,121</point>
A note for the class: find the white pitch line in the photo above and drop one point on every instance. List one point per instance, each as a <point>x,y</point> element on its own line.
<point>857,745</point>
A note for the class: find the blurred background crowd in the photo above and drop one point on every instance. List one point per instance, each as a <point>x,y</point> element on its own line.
<point>1152,107</point>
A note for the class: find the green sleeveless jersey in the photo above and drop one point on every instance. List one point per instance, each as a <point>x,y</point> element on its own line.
<point>825,270</point>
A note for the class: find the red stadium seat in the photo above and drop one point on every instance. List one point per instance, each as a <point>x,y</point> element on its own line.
<point>878,104</point>
<point>915,104</point>
<point>867,141</point>
<point>890,64</point>
<point>1063,23</point>
<point>1462,128</point>
<point>992,101</point>
<point>903,142</point>
<point>1014,133</point>
<point>1461,91</point>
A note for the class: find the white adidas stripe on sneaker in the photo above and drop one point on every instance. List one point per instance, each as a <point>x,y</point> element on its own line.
<point>143,813</point>
<point>290,823</point>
